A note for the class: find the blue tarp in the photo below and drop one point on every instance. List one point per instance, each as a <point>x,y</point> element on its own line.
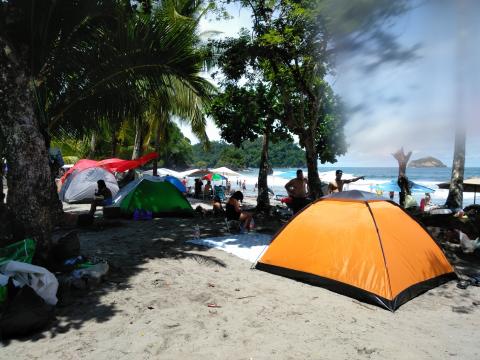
<point>393,186</point>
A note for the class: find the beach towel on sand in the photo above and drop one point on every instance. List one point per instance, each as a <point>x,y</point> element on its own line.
<point>247,246</point>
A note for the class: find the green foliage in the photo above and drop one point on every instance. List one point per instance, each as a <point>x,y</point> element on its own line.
<point>282,154</point>
<point>175,150</point>
<point>231,157</point>
<point>93,60</point>
<point>287,56</point>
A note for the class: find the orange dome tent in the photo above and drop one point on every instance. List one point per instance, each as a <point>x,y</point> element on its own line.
<point>359,245</point>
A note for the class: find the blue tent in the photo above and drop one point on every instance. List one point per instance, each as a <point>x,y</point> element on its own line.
<point>393,186</point>
<point>175,182</point>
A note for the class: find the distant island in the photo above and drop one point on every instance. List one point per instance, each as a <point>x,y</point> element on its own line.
<point>426,162</point>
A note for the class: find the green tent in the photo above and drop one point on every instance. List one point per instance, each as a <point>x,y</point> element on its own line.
<point>159,197</point>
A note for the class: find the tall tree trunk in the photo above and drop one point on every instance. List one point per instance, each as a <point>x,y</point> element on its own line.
<point>314,183</point>
<point>263,201</point>
<point>455,192</point>
<point>158,134</point>
<point>137,145</point>
<point>463,73</point>
<point>93,145</point>
<point>29,179</point>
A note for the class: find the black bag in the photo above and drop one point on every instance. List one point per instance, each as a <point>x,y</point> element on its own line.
<point>66,247</point>
<point>24,313</point>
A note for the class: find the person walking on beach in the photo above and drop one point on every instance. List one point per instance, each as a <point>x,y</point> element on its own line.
<point>198,188</point>
<point>337,184</point>
<point>244,185</point>
<point>297,190</point>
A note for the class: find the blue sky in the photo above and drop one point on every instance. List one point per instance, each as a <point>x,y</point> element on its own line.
<point>414,104</point>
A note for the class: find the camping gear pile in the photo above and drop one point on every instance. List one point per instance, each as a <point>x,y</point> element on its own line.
<point>28,293</point>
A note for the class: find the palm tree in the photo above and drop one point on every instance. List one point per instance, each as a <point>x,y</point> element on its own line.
<point>76,63</point>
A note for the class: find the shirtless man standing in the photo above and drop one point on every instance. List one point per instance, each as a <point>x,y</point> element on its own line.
<point>297,190</point>
<point>337,184</point>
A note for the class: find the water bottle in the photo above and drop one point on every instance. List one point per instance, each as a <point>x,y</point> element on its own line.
<point>196,233</point>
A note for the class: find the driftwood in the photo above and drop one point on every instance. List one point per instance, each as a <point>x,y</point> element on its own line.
<point>402,159</point>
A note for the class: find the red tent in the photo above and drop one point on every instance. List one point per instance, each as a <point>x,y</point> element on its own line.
<point>112,165</point>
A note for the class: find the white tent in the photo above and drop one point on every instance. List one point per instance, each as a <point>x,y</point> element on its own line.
<point>187,172</point>
<point>164,172</point>
<point>81,186</point>
<point>225,171</point>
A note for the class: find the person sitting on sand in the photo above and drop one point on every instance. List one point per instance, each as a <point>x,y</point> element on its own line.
<point>297,190</point>
<point>337,184</point>
<point>217,206</point>
<point>425,203</point>
<point>207,190</point>
<point>233,210</point>
<point>103,197</point>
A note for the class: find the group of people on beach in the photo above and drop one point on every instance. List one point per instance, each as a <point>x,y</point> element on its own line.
<point>297,189</point>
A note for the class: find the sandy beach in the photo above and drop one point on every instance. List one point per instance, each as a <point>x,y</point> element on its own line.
<point>168,299</point>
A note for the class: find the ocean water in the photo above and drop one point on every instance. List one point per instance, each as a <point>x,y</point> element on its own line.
<point>428,177</point>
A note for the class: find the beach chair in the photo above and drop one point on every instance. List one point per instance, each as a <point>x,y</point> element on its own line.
<point>218,191</point>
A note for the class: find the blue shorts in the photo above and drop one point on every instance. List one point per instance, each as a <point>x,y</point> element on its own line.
<point>107,202</point>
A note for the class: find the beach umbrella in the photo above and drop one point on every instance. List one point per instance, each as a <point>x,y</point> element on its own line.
<point>469,185</point>
<point>199,173</point>
<point>225,171</point>
<point>393,186</point>
<point>214,177</point>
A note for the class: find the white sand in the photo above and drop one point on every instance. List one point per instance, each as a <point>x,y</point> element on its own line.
<point>155,306</point>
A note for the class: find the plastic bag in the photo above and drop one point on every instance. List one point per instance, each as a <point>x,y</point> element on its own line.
<point>94,271</point>
<point>38,278</point>
<point>410,202</point>
<point>20,251</point>
<point>468,245</point>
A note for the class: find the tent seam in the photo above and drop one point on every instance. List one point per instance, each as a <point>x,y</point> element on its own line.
<point>381,247</point>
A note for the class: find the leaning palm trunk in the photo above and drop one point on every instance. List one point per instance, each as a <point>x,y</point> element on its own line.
<point>137,146</point>
<point>2,195</point>
<point>93,145</point>
<point>29,179</point>
<point>455,192</point>
<point>263,202</point>
<point>160,132</point>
